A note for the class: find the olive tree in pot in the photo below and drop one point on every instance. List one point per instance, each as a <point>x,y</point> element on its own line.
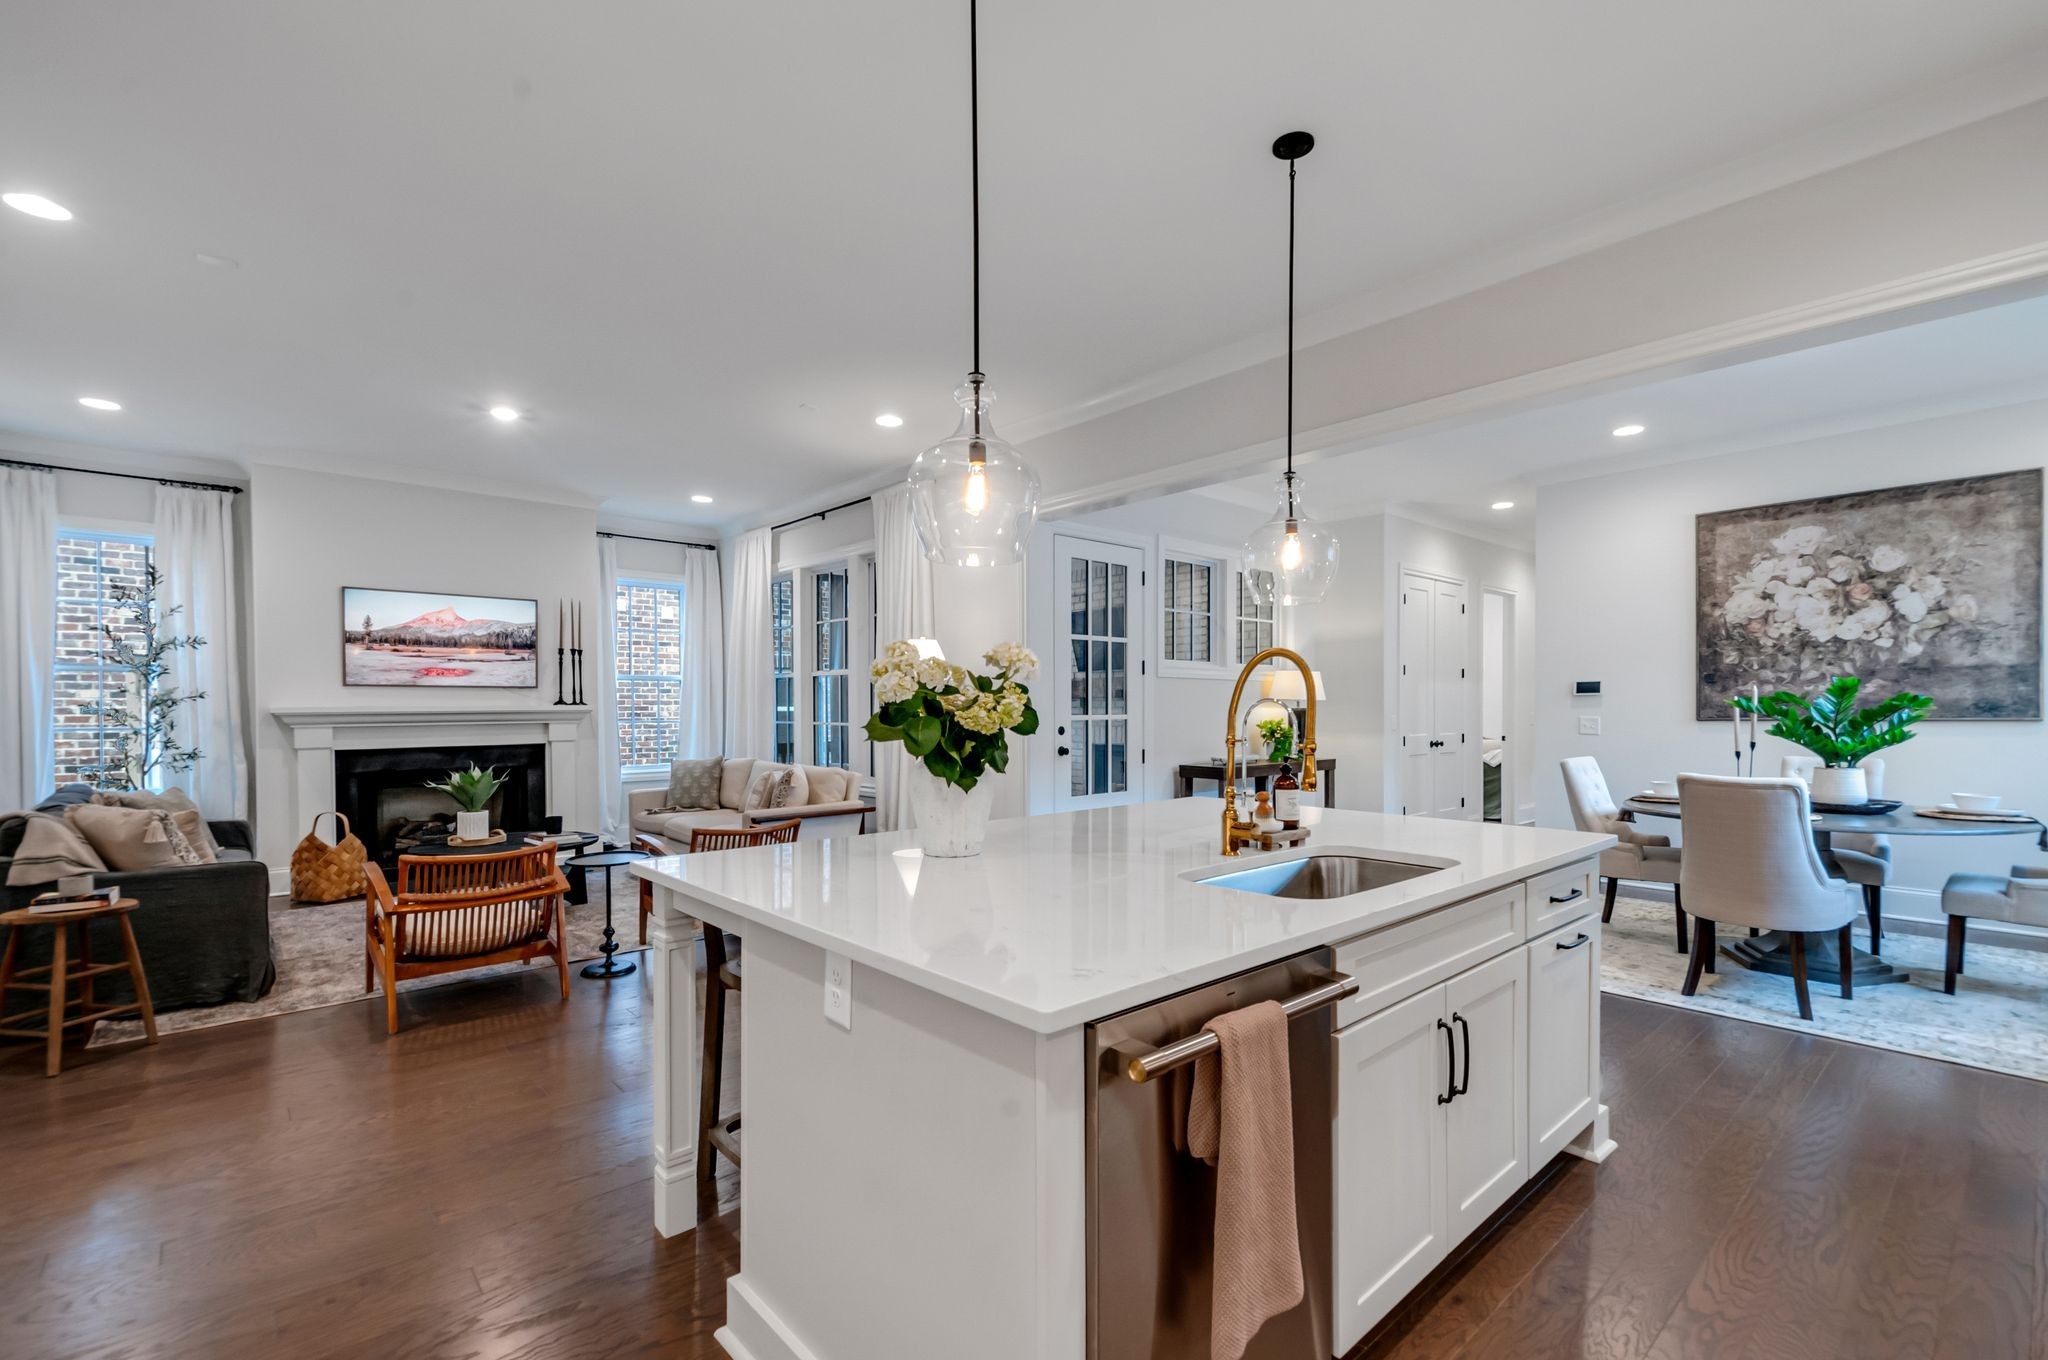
<point>1842,735</point>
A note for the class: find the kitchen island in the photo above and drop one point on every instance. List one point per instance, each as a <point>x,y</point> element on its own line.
<point>915,1178</point>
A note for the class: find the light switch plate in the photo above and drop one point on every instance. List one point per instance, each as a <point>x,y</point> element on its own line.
<point>1589,725</point>
<point>839,990</point>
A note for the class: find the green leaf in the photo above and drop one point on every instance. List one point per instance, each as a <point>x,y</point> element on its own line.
<point>922,734</point>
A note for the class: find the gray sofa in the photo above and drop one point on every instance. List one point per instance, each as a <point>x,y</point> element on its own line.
<point>203,929</point>
<point>834,806</point>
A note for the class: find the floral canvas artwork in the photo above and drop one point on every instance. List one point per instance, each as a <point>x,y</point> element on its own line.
<point>1934,588</point>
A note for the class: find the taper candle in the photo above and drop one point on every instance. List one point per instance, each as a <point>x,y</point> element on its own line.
<point>1753,697</point>
<point>561,621</point>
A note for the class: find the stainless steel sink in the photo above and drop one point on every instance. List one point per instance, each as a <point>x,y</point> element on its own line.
<point>1321,876</point>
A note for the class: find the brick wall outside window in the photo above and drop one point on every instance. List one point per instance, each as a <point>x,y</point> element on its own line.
<point>88,565</point>
<point>649,622</point>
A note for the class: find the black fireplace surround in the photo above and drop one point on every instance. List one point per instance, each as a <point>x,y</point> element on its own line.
<point>369,784</point>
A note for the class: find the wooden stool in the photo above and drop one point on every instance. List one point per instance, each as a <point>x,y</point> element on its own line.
<point>63,975</point>
<point>715,1135</point>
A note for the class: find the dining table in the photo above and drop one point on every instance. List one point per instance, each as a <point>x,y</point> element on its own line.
<point>1771,952</point>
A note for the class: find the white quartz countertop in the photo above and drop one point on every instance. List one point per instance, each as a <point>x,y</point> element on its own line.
<point>1070,917</point>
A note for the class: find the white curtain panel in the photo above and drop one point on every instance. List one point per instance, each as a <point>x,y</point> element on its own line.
<point>28,635</point>
<point>703,733</point>
<point>611,791</point>
<point>903,609</point>
<point>195,554</point>
<point>749,649</point>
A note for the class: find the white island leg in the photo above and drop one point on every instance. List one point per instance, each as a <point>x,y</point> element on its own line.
<point>671,962</point>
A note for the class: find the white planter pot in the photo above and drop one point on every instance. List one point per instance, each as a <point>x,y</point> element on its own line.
<point>951,824</point>
<point>1834,785</point>
<point>472,826</point>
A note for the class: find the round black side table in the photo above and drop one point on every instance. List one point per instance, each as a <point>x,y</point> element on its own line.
<point>607,967</point>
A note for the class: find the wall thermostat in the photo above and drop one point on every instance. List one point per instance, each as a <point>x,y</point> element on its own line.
<point>1586,687</point>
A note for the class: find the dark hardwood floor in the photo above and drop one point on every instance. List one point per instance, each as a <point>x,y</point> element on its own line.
<point>478,1187</point>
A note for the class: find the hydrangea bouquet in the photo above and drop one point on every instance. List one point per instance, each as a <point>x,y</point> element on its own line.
<point>952,719</point>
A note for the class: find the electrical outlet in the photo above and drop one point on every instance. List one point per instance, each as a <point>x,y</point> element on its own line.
<point>1589,725</point>
<point>839,990</point>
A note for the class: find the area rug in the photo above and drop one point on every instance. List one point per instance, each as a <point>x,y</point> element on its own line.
<point>319,952</point>
<point>1997,1020</point>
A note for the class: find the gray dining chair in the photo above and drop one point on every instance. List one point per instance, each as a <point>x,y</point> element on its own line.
<point>1864,860</point>
<point>1751,861</point>
<point>2020,900</point>
<point>1641,857</point>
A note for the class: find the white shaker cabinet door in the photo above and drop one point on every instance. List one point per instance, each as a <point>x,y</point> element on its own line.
<point>1486,1135</point>
<point>1393,1071</point>
<point>1564,1037</point>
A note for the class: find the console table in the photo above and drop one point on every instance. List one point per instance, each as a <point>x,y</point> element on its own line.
<point>1185,776</point>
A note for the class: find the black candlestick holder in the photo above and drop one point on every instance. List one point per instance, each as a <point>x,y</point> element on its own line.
<point>560,696</point>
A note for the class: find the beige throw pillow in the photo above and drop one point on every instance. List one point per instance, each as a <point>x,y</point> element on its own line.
<point>50,849</point>
<point>694,783</point>
<point>173,801</point>
<point>777,786</point>
<point>133,838</point>
<point>736,781</point>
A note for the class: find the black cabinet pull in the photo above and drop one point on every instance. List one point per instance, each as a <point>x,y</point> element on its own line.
<point>1464,1034</point>
<point>1583,937</point>
<point>1574,895</point>
<point>1450,1064</point>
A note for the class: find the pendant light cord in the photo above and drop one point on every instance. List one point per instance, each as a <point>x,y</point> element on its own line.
<point>974,181</point>
<point>1290,339</point>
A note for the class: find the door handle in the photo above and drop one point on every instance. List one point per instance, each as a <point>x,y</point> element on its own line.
<point>1465,1034</point>
<point>1450,1092</point>
<point>1574,895</point>
<point>1065,752</point>
<point>1583,938</point>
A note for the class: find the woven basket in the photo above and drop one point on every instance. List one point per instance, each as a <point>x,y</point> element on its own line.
<point>328,873</point>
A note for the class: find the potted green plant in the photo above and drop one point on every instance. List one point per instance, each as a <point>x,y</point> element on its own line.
<point>1278,734</point>
<point>472,789</point>
<point>953,721</point>
<point>1833,728</point>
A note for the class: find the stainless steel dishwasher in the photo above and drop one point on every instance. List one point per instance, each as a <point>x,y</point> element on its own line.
<point>1152,1208</point>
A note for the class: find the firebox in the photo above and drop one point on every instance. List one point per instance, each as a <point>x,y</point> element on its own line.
<point>383,793</point>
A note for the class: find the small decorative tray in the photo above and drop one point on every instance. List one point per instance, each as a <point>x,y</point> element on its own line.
<point>1874,808</point>
<point>1655,797</point>
<point>1958,815</point>
<point>495,838</point>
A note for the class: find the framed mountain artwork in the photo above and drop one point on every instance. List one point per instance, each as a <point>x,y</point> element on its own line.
<point>1934,588</point>
<point>404,637</point>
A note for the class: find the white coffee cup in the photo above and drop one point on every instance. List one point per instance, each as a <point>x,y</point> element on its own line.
<point>1664,788</point>
<point>1975,802</point>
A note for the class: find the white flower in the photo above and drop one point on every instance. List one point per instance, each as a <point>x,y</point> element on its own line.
<point>980,716</point>
<point>1913,647</point>
<point>1816,617</point>
<point>901,655</point>
<point>893,687</point>
<point>1800,541</point>
<point>1886,558</point>
<point>1909,604</point>
<point>1840,567</point>
<point>1012,658</point>
<point>1866,623</point>
<point>1928,588</point>
<point>1963,608</point>
<point>934,673</point>
<point>1745,604</point>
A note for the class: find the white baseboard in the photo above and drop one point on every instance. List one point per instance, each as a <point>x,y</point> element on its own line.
<point>752,1329</point>
<point>280,882</point>
<point>1909,911</point>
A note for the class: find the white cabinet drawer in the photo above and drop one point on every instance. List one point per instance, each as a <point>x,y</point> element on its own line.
<point>1561,895</point>
<point>1398,962</point>
<point>1564,1038</point>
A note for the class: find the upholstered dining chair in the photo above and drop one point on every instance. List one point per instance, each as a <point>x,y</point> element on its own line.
<point>456,912</point>
<point>1641,857</point>
<point>1751,861</point>
<point>2020,900</point>
<point>1864,860</point>
<point>657,848</point>
<point>722,975</point>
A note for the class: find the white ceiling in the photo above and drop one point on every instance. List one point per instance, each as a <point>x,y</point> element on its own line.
<point>1992,357</point>
<point>704,245</point>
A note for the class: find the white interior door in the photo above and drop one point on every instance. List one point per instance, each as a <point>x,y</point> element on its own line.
<point>1415,719</point>
<point>1486,1155</point>
<point>1448,719</point>
<point>1095,704</point>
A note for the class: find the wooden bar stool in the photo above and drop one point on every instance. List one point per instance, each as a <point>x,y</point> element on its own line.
<point>722,975</point>
<point>62,975</point>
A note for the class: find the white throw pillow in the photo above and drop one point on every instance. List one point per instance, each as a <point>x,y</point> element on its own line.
<point>735,781</point>
<point>777,786</point>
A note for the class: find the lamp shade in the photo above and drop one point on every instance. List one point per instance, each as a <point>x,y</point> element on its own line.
<point>1284,684</point>
<point>928,649</point>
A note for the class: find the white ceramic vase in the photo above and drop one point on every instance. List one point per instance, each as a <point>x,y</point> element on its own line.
<point>951,823</point>
<point>472,826</point>
<point>1835,784</point>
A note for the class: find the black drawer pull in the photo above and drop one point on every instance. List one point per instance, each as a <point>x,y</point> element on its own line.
<point>1574,895</point>
<point>1583,937</point>
<point>1465,1034</point>
<point>1450,1064</point>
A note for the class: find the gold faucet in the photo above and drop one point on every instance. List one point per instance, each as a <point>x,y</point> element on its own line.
<point>1236,832</point>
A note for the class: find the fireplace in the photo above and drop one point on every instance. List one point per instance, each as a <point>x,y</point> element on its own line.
<point>383,793</point>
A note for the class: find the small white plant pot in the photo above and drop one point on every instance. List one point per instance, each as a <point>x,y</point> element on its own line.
<point>472,826</point>
<point>1832,784</point>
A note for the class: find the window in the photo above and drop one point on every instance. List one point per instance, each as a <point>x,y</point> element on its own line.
<point>831,733</point>
<point>782,599</point>
<point>648,620</point>
<point>1190,609</point>
<point>1254,620</point>
<point>89,567</point>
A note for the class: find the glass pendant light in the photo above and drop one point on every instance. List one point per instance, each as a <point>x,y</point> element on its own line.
<point>1291,558</point>
<point>973,497</point>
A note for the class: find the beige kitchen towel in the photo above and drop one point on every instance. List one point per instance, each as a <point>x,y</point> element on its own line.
<point>1241,1121</point>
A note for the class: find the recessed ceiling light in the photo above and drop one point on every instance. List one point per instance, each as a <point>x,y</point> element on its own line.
<point>505,413</point>
<point>888,420</point>
<point>99,403</point>
<point>701,498</point>
<point>1503,505</point>
<point>35,205</point>
<point>1627,431</point>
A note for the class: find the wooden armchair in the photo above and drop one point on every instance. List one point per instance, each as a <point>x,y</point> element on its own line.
<point>455,912</point>
<point>658,848</point>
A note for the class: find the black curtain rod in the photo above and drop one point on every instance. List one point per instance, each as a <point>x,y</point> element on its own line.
<point>672,542</point>
<point>818,514</point>
<point>130,476</point>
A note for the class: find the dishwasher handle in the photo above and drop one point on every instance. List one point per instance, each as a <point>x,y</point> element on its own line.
<point>1180,1053</point>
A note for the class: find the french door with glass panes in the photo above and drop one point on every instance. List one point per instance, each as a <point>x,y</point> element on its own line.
<point>1095,705</point>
